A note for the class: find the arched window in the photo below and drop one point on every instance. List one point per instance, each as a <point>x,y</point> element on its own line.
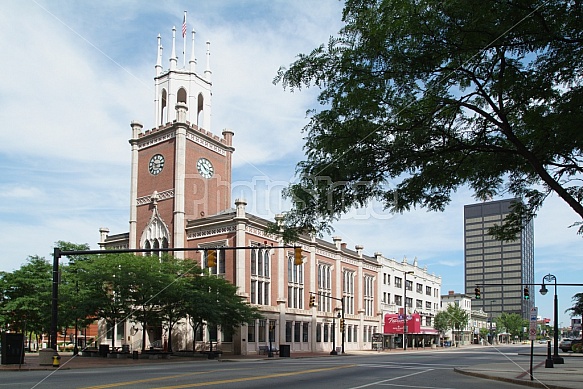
<point>164,107</point>
<point>181,96</point>
<point>200,111</point>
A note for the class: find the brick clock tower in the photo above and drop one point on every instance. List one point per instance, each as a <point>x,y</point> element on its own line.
<point>180,170</point>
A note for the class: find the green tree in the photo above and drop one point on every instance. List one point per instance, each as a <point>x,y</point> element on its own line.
<point>454,318</point>
<point>71,310</point>
<point>512,323</point>
<point>442,323</point>
<point>213,301</point>
<point>458,318</point>
<point>108,287</point>
<point>422,97</point>
<point>26,298</point>
<point>577,308</point>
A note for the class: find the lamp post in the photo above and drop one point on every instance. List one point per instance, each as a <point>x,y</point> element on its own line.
<point>405,313</point>
<point>334,352</point>
<point>271,328</point>
<point>491,320</point>
<point>543,290</point>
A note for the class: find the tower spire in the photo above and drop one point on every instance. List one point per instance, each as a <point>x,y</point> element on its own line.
<point>173,58</point>
<point>192,61</point>
<point>159,57</point>
<point>207,72</point>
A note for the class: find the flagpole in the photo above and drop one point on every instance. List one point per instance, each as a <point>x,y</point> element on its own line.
<point>184,40</point>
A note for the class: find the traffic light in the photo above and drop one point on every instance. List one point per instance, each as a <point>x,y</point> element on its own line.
<point>526,293</point>
<point>312,300</point>
<point>477,291</point>
<point>211,258</point>
<point>298,256</point>
<point>341,325</point>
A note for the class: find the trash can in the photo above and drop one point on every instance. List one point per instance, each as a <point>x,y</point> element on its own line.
<point>103,350</point>
<point>135,355</point>
<point>284,350</point>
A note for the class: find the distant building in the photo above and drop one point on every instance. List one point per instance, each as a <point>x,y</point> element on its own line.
<point>500,269</point>
<point>464,335</point>
<point>403,284</point>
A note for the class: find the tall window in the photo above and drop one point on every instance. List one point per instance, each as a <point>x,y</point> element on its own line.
<point>295,283</point>
<point>409,285</point>
<point>348,291</point>
<point>260,276</point>
<point>398,300</point>
<point>398,282</point>
<point>324,287</point>
<point>368,295</point>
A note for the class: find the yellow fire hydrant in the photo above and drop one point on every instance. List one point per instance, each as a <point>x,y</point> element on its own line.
<point>56,359</point>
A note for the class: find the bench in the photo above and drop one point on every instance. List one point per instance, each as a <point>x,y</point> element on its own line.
<point>264,350</point>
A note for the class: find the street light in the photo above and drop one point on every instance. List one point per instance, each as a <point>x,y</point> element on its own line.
<point>543,290</point>
<point>491,320</point>
<point>405,313</point>
<point>334,352</point>
<point>271,328</point>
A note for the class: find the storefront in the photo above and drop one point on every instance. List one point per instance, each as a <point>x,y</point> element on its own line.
<point>416,336</point>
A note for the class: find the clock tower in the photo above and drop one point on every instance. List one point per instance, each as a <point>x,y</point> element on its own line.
<point>180,170</point>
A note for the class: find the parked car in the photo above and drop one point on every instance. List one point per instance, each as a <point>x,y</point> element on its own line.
<point>567,344</point>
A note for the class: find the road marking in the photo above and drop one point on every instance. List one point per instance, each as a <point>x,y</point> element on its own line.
<point>393,379</point>
<point>146,380</point>
<point>208,383</point>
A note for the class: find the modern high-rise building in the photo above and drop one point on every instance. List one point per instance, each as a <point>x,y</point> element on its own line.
<point>500,269</point>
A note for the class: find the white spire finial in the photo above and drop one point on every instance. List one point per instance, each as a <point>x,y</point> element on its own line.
<point>173,58</point>
<point>192,61</point>
<point>207,72</point>
<point>159,56</point>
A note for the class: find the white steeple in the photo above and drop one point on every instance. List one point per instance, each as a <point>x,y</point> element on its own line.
<point>182,85</point>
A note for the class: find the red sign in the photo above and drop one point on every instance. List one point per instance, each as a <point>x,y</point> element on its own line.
<point>394,323</point>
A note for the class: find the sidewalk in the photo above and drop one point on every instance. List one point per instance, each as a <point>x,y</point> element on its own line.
<point>566,376</point>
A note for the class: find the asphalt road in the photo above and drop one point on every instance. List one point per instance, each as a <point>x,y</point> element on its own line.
<point>414,370</point>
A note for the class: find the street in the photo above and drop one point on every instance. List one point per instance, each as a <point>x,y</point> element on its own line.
<point>423,369</point>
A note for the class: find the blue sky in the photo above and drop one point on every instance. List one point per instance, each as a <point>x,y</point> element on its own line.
<point>76,73</point>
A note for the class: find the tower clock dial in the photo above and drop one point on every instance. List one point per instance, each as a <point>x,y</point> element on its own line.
<point>156,164</point>
<point>205,168</point>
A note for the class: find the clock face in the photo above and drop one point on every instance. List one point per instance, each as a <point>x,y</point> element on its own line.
<point>205,168</point>
<point>156,164</point>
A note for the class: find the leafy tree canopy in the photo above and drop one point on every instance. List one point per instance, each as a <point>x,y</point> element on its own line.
<point>577,308</point>
<point>420,98</point>
<point>513,323</point>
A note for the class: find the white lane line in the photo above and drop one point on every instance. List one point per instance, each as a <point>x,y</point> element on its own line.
<point>391,379</point>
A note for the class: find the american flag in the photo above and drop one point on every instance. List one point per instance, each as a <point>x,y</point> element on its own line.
<point>184,26</point>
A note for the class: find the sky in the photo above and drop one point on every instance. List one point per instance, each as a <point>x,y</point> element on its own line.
<point>75,74</point>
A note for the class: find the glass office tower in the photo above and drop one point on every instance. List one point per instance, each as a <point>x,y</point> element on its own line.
<point>500,269</point>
